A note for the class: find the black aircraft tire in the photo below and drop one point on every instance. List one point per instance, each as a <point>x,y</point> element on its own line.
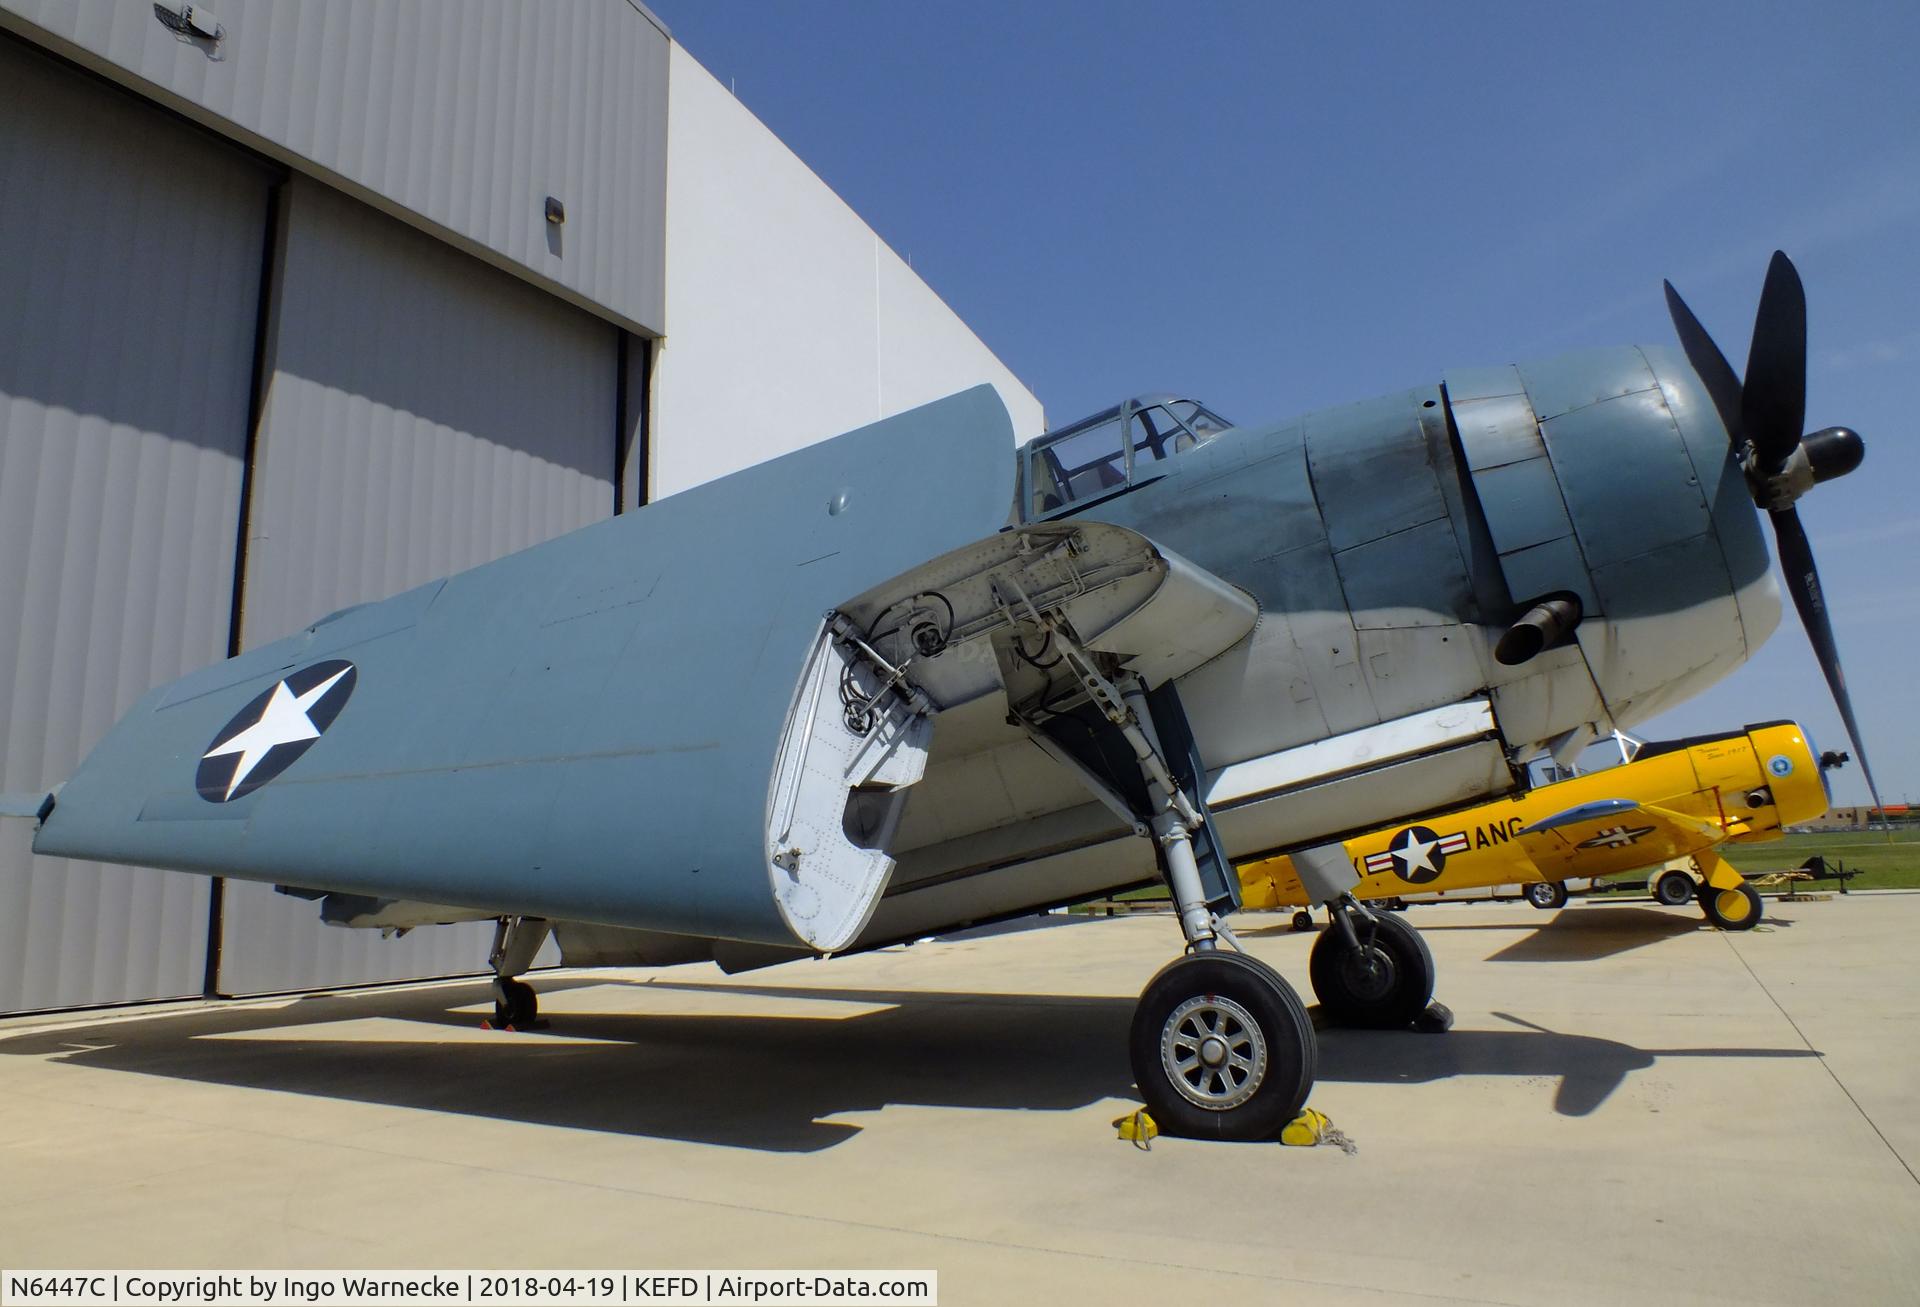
<point>1252,1015</point>
<point>1547,894</point>
<point>1303,920</point>
<point>1673,888</point>
<point>1714,903</point>
<point>515,1004</point>
<point>1387,997</point>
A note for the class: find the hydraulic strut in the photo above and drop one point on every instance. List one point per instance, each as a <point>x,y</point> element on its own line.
<point>1175,817</point>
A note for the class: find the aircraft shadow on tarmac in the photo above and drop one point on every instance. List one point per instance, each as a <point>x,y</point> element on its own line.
<point>1589,1069</point>
<point>771,1083</point>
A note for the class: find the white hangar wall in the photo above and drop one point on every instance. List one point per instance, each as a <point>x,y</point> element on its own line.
<point>278,336</point>
<point>768,268</point>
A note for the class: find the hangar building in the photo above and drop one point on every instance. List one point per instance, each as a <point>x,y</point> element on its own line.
<point>304,305</point>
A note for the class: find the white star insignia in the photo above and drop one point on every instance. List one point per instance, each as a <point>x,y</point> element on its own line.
<point>1417,853</point>
<point>283,721</point>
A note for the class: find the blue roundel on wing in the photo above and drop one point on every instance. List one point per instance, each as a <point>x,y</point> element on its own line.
<point>268,736</point>
<point>1780,765</point>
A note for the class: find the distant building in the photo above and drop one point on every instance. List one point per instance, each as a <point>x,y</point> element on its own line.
<point>1859,818</point>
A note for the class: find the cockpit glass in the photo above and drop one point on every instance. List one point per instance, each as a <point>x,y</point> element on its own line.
<point>1106,453</point>
<point>1204,423</point>
<point>1155,434</point>
<point>1079,465</point>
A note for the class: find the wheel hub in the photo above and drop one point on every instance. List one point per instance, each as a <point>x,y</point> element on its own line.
<point>1213,1052</point>
<point>1733,905</point>
<point>1369,973</point>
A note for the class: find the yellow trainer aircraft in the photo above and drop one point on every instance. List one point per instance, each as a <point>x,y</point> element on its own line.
<point>1674,801</point>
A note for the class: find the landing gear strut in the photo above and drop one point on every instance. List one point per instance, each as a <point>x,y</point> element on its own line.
<point>515,942</point>
<point>1220,1044</point>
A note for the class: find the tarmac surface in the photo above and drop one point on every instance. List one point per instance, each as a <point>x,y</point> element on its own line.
<point>1631,1106</point>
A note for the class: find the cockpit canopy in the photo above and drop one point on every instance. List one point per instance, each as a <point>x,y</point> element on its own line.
<point>1110,452</point>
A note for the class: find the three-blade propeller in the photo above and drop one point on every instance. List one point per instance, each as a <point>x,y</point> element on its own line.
<point>1763,416</point>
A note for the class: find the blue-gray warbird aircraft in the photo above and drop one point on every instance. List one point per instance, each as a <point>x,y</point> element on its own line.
<point>845,698</point>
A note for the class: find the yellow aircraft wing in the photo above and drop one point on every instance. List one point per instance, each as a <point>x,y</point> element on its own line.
<point>1607,836</point>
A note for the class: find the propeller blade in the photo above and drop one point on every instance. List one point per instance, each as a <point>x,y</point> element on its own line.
<point>1803,582</point>
<point>1773,403</point>
<point>1711,365</point>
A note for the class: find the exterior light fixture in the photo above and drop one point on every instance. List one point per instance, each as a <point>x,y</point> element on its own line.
<point>189,20</point>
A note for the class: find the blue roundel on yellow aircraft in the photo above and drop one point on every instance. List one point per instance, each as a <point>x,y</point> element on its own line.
<point>278,725</point>
<point>1780,765</point>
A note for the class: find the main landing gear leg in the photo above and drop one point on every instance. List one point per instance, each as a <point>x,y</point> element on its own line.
<point>1372,970</point>
<point>515,942</point>
<point>1220,1044</point>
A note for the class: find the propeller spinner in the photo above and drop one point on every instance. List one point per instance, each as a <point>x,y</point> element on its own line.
<point>1764,416</point>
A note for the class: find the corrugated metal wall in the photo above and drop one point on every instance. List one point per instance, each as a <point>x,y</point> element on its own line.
<point>465,114</point>
<point>129,292</point>
<point>425,413</point>
<point>430,400</point>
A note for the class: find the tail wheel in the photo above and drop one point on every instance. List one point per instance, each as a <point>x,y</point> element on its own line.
<point>1673,888</point>
<point>1731,909</point>
<point>514,1004</point>
<point>1547,894</point>
<point>1382,986</point>
<point>1222,1048</point>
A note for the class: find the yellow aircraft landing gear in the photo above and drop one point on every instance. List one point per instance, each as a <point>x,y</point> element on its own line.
<point>1371,970</point>
<point>1676,887</point>
<point>1731,909</point>
<point>1725,897</point>
<point>1303,920</point>
<point>1546,894</point>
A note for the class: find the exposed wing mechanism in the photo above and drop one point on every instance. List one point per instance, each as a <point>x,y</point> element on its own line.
<point>1008,618</point>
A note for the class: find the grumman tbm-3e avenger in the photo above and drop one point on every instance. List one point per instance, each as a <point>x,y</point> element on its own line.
<point>1670,808</point>
<point>844,699</point>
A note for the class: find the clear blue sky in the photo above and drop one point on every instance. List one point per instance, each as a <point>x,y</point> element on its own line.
<point>1277,207</point>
